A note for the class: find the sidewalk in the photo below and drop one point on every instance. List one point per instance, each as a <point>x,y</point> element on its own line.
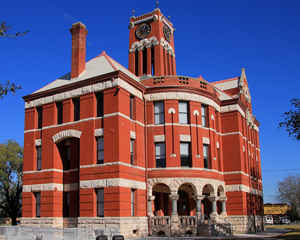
<point>268,234</point>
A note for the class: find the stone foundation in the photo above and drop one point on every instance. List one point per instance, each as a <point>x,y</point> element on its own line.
<point>245,224</point>
<point>132,227</point>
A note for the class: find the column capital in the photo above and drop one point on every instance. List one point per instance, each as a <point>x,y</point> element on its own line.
<point>151,198</point>
<point>199,197</point>
<point>213,198</point>
<point>222,199</point>
<point>174,196</point>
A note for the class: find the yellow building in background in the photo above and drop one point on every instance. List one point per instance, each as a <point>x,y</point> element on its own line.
<point>276,209</point>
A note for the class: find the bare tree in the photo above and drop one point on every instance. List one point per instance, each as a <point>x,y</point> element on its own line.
<point>292,119</point>
<point>8,86</point>
<point>289,192</point>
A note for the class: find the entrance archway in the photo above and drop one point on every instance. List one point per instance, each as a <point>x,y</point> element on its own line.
<point>162,204</point>
<point>207,191</point>
<point>69,152</point>
<point>186,204</point>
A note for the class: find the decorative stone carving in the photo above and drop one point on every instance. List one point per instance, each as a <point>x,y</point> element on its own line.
<point>66,134</point>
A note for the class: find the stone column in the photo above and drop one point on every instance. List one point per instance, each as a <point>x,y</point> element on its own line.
<point>223,200</point>
<point>150,199</point>
<point>214,213</point>
<point>198,199</point>
<point>175,230</point>
<point>174,198</point>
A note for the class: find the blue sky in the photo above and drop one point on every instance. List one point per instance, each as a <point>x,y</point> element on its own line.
<point>212,38</point>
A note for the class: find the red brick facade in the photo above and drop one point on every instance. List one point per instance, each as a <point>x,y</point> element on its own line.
<point>145,140</point>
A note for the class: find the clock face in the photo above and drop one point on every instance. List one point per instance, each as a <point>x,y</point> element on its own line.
<point>143,31</point>
<point>167,32</point>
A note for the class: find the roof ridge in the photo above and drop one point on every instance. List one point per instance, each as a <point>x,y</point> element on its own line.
<point>109,59</point>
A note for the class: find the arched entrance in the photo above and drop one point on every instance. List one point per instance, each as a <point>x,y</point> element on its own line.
<point>186,204</point>
<point>207,191</point>
<point>69,153</point>
<point>162,204</point>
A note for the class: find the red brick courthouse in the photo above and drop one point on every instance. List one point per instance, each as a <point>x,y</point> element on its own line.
<point>141,149</point>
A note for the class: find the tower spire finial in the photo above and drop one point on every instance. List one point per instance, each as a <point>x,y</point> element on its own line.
<point>156,4</point>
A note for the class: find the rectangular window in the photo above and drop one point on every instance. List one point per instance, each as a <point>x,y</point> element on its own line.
<point>100,150</point>
<point>40,116</point>
<point>185,154</point>
<point>100,105</point>
<point>206,157</point>
<point>204,113</point>
<point>133,193</point>
<point>159,112</point>
<point>39,158</point>
<point>131,106</point>
<point>132,151</point>
<point>66,204</point>
<point>59,108</point>
<point>160,155</point>
<point>183,112</point>
<point>37,196</point>
<point>76,104</point>
<point>100,202</point>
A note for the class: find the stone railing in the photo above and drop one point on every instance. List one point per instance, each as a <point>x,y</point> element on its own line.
<point>160,220</point>
<point>188,220</point>
<point>160,225</point>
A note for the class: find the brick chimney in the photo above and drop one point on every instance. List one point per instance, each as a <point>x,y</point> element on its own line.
<point>79,33</point>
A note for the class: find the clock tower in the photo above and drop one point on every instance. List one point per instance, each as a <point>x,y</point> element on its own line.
<point>151,45</point>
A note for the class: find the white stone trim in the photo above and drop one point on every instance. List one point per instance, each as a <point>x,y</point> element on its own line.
<point>99,132</point>
<point>228,84</point>
<point>66,134</point>
<point>196,112</point>
<point>112,182</point>
<point>242,188</point>
<point>205,140</point>
<point>181,96</point>
<point>159,138</point>
<point>166,22</point>
<point>231,108</point>
<point>218,145</point>
<point>38,142</point>
<point>111,164</point>
<point>236,172</point>
<point>232,133</point>
<point>185,138</point>
<point>171,110</point>
<point>143,20</point>
<point>50,187</point>
<point>85,90</point>
<point>185,168</point>
<point>132,135</point>
<point>85,120</point>
<point>51,170</point>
